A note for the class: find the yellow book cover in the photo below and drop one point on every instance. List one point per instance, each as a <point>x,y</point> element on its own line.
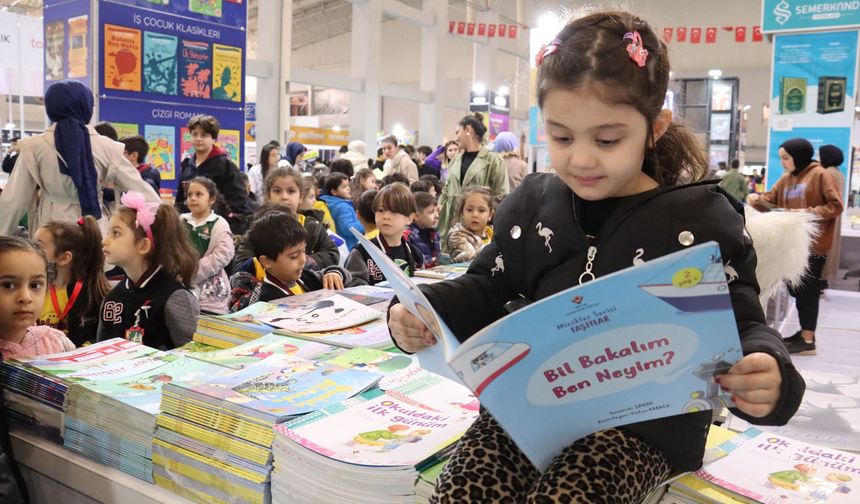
<point>209,340</point>
<point>184,491</point>
<point>186,409</point>
<point>122,58</point>
<point>78,56</point>
<point>229,141</point>
<point>250,451</point>
<point>211,479</point>
<point>214,480</point>
<point>227,73</point>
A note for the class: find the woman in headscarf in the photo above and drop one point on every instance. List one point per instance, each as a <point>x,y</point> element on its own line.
<point>805,187</point>
<point>295,154</point>
<point>831,159</point>
<point>507,146</point>
<point>60,174</point>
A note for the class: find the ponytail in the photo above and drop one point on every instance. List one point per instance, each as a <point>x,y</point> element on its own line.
<point>172,249</point>
<point>84,241</point>
<point>677,157</point>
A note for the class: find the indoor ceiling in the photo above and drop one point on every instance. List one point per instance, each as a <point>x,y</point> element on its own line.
<point>29,7</point>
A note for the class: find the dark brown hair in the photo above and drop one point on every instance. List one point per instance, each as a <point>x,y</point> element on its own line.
<point>479,190</point>
<point>264,158</point>
<point>445,151</point>
<point>84,242</point>
<point>209,124</point>
<point>423,200</point>
<point>333,182</point>
<point>390,139</point>
<point>593,54</point>
<point>219,206</point>
<point>476,122</point>
<point>15,243</point>
<point>342,166</point>
<point>279,173</point>
<point>172,249</point>
<point>136,143</point>
<point>395,198</point>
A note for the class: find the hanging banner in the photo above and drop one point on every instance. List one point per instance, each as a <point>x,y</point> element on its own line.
<point>67,46</point>
<point>500,114</point>
<point>21,56</point>
<point>812,93</point>
<point>807,15</point>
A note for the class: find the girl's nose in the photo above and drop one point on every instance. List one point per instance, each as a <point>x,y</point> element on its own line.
<point>582,158</point>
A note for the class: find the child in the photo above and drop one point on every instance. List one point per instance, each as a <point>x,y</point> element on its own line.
<point>618,160</point>
<point>422,186</point>
<point>254,202</point>
<point>395,207</point>
<point>434,181</point>
<point>338,198</point>
<point>23,281</point>
<point>153,305</point>
<point>422,232</point>
<point>79,285</point>
<point>473,232</point>
<point>367,214</point>
<point>211,237</point>
<point>363,180</point>
<point>136,149</point>
<point>279,241</point>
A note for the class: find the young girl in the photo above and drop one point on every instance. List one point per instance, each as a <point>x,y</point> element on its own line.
<point>153,305</point>
<point>338,199</point>
<point>473,232</point>
<point>615,198</point>
<point>211,236</point>
<point>395,208</point>
<point>79,285</point>
<point>23,282</point>
<point>363,180</point>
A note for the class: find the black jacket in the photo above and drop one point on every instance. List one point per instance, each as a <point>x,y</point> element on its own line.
<point>9,162</point>
<point>651,221</point>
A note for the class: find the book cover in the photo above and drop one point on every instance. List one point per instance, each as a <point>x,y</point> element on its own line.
<point>186,150</point>
<point>377,361</point>
<point>112,350</point>
<point>373,334</point>
<point>195,70</point>
<point>78,47</point>
<point>55,53</point>
<point>205,7</point>
<point>329,314</point>
<point>254,351</point>
<point>162,146</point>
<point>642,343</point>
<point>774,469</point>
<point>126,129</point>
<point>122,66</point>
<point>792,95</point>
<point>159,63</point>
<point>227,73</point>
<point>831,94</point>
<point>229,141</point>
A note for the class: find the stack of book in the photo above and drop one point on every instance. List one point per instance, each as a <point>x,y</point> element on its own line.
<point>374,447</point>
<point>254,351</point>
<point>759,466</point>
<point>213,441</point>
<point>36,388</point>
<point>111,411</point>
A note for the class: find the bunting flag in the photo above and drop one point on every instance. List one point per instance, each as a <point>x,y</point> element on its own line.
<point>695,35</point>
<point>461,28</point>
<point>482,29</point>
<point>502,29</point>
<point>512,31</point>
<point>740,34</point>
<point>681,32</point>
<point>451,26</point>
<point>491,31</point>
<point>710,35</point>
<point>756,34</point>
<point>470,29</point>
<point>667,35</point>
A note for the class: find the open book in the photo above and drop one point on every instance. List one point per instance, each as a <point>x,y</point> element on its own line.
<point>642,343</point>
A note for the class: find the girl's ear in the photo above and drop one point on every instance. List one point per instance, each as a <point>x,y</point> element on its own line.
<point>64,259</point>
<point>144,246</point>
<point>661,123</point>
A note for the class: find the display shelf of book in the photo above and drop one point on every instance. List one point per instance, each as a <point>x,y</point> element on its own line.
<point>83,476</point>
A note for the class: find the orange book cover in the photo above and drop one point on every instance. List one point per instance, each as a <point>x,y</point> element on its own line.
<point>78,57</point>
<point>122,58</point>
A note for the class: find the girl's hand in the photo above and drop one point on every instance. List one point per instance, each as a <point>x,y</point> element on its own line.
<point>332,281</point>
<point>410,333</point>
<point>754,383</point>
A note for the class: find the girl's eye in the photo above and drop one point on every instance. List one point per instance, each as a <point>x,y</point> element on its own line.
<point>8,285</point>
<point>562,139</point>
<point>36,285</point>
<point>606,142</point>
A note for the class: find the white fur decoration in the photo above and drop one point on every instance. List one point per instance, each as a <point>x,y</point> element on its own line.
<point>782,242</point>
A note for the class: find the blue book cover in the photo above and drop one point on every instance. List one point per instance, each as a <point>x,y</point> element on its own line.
<point>639,344</point>
<point>159,63</point>
<point>195,69</point>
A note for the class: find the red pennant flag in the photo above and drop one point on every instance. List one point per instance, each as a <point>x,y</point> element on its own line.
<point>740,34</point>
<point>502,29</point>
<point>728,28</point>
<point>682,34</point>
<point>461,28</point>
<point>470,29</point>
<point>757,36</point>
<point>710,35</point>
<point>482,29</point>
<point>451,26</point>
<point>512,31</point>
<point>695,35</point>
<point>491,30</point>
<point>667,35</point>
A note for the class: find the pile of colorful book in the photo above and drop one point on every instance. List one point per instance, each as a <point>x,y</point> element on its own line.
<point>213,440</point>
<point>374,447</point>
<point>759,466</point>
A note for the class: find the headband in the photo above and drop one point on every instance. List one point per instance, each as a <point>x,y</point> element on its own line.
<point>143,214</point>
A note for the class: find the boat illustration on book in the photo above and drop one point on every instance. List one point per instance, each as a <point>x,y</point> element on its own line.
<point>479,366</point>
<point>695,290</point>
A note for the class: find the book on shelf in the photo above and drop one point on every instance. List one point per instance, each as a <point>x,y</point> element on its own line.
<point>639,344</point>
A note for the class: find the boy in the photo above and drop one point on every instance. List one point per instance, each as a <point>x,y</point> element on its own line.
<point>337,196</point>
<point>422,232</point>
<point>395,207</point>
<point>367,214</point>
<point>213,162</point>
<point>136,149</point>
<point>278,241</point>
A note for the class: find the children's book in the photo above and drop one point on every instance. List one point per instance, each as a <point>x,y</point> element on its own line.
<point>126,129</point>
<point>78,47</point>
<point>760,466</point>
<point>55,43</point>
<point>122,58</point>
<point>205,7</point>
<point>371,359</point>
<point>227,76</point>
<point>159,63</point>
<point>254,351</point>
<point>186,149</point>
<point>195,70</point>
<point>330,314</point>
<point>229,141</point>
<point>162,145</point>
<point>83,358</point>
<point>642,343</point>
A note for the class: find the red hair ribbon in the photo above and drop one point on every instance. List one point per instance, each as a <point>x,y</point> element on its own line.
<point>546,50</point>
<point>635,49</point>
<point>81,222</point>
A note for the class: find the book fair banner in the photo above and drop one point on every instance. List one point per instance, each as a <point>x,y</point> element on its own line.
<point>808,15</point>
<point>812,93</point>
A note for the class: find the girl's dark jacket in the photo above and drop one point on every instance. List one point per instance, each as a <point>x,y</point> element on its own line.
<point>651,221</point>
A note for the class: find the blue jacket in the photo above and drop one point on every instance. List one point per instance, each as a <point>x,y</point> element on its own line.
<point>425,240</point>
<point>344,217</point>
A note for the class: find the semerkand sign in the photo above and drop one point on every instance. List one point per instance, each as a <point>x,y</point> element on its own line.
<point>807,15</point>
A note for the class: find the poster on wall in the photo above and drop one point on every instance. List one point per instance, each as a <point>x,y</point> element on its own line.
<point>299,103</point>
<point>812,93</point>
<point>67,50</point>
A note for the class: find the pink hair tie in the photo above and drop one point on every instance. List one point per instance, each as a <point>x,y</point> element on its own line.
<point>546,50</point>
<point>144,217</point>
<point>635,49</point>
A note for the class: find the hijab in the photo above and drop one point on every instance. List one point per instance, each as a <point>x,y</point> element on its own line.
<point>505,142</point>
<point>831,156</point>
<point>801,151</point>
<point>69,105</point>
<point>293,151</point>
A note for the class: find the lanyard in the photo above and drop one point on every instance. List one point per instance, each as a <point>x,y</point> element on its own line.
<point>74,297</point>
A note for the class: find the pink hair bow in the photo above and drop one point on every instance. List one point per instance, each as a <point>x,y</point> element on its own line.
<point>144,217</point>
<point>635,49</point>
<point>546,50</point>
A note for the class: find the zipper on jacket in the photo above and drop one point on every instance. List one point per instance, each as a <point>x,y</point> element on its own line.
<point>587,275</point>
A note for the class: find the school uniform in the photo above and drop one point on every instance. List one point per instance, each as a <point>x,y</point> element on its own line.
<point>321,250</point>
<point>214,242</point>
<point>365,270</point>
<point>252,284</point>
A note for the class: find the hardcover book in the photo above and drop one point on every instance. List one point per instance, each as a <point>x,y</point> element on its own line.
<point>792,95</point>
<point>122,65</point>
<point>831,94</point>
